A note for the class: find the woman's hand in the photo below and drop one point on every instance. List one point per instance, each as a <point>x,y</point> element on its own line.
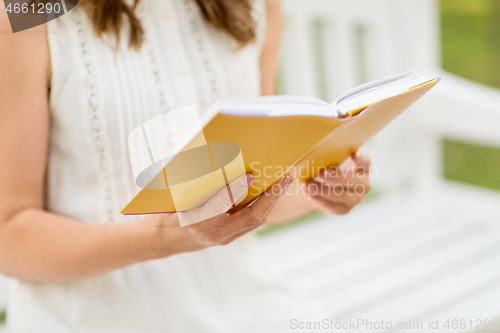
<point>219,228</point>
<point>339,188</point>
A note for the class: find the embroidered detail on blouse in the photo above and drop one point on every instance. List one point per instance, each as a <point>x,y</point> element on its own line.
<point>156,71</point>
<point>200,44</point>
<point>97,127</point>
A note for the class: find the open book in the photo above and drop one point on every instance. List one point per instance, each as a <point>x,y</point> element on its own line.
<point>274,134</point>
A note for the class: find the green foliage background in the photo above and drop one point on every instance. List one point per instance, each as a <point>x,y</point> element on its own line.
<point>471,39</point>
<point>471,48</point>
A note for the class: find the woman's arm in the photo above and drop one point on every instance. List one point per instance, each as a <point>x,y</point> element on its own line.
<point>270,51</point>
<point>38,245</point>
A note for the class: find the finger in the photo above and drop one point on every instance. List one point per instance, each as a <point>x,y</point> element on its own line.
<point>338,171</point>
<point>331,208</point>
<point>353,181</point>
<point>337,203</point>
<point>243,233</point>
<point>357,164</point>
<point>362,160</point>
<point>337,194</point>
<point>238,235</point>
<point>239,188</point>
<point>348,161</point>
<point>219,204</point>
<point>255,215</point>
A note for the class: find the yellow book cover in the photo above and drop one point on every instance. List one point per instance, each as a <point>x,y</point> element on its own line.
<point>271,145</point>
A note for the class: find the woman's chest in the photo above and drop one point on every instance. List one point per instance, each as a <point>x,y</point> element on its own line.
<point>182,61</point>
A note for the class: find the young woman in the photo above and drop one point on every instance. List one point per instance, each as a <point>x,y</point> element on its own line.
<point>71,91</point>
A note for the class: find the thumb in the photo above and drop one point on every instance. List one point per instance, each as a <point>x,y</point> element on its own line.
<point>220,203</point>
<point>239,187</point>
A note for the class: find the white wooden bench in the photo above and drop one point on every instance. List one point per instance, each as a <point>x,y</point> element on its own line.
<point>425,248</point>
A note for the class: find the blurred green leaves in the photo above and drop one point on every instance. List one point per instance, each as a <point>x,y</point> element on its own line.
<point>473,164</point>
<point>471,39</point>
<point>471,48</point>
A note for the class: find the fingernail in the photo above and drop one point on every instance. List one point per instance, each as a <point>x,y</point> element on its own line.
<point>247,180</point>
<point>286,181</point>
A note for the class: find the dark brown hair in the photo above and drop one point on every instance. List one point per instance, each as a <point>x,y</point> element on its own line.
<point>233,16</point>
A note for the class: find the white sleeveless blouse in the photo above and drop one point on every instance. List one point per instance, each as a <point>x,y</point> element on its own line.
<point>99,94</point>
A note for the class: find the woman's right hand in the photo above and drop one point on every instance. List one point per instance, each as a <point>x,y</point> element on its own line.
<point>168,237</point>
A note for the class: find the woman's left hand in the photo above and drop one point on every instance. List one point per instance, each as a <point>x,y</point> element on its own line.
<point>339,188</point>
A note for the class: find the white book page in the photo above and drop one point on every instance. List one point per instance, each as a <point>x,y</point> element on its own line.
<point>290,105</point>
<point>280,99</point>
<point>375,93</point>
<point>278,106</point>
<point>373,84</point>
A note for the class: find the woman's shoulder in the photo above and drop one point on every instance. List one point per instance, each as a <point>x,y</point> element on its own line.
<point>24,54</point>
